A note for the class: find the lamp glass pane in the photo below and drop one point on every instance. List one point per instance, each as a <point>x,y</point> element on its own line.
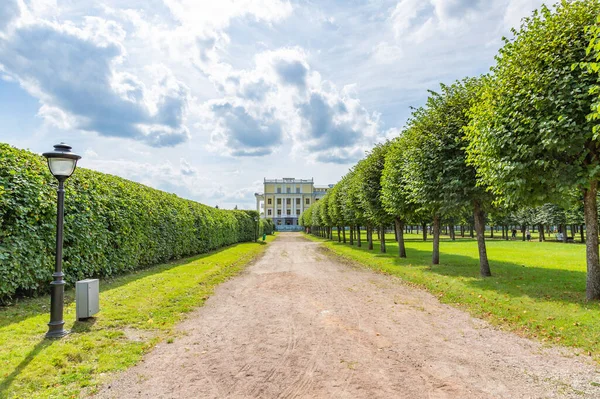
<point>62,166</point>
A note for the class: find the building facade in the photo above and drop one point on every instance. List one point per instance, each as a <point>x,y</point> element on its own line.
<point>284,200</point>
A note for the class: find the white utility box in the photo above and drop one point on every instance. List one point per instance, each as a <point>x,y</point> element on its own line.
<point>87,298</point>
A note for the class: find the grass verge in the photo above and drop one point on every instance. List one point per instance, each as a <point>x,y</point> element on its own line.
<point>137,311</point>
<point>537,289</point>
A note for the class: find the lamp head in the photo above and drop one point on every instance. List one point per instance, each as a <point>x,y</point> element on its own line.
<point>61,161</point>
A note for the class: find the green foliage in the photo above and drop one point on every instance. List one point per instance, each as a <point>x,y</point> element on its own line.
<point>435,168</point>
<point>367,183</point>
<point>530,137</point>
<point>112,225</point>
<point>266,227</point>
<point>593,66</point>
<point>394,190</point>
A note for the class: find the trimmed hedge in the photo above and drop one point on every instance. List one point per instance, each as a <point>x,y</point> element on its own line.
<point>112,225</point>
<point>266,227</point>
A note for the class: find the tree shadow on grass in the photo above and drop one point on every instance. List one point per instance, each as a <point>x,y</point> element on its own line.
<point>9,379</point>
<point>508,278</point>
<point>26,308</point>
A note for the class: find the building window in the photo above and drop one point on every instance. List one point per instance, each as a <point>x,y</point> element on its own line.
<point>308,201</point>
<point>278,190</point>
<point>269,212</point>
<point>297,211</point>
<point>278,201</point>
<point>288,201</point>
<point>269,201</point>
<point>289,190</point>
<point>298,201</point>
<point>278,212</point>
<point>297,190</point>
<point>289,212</point>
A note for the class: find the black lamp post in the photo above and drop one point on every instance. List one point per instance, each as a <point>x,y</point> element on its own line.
<point>62,163</point>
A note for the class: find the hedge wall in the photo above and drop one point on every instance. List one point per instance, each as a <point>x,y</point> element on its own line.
<point>112,225</point>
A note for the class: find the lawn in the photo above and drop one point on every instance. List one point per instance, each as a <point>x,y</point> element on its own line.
<point>137,312</point>
<point>537,289</point>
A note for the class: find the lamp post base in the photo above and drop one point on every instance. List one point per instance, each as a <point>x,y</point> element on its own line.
<point>56,330</point>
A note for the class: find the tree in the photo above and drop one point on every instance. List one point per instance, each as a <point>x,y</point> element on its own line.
<point>368,181</point>
<point>324,215</point>
<point>354,211</point>
<point>437,174</point>
<point>333,207</point>
<point>530,136</point>
<point>394,192</point>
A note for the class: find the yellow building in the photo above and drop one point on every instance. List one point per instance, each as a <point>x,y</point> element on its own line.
<point>283,200</point>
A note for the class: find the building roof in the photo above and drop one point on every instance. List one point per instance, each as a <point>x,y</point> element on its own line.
<point>289,180</point>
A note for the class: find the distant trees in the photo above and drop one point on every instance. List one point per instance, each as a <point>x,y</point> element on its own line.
<point>519,147</point>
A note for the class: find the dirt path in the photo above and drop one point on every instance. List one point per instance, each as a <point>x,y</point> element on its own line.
<point>298,324</point>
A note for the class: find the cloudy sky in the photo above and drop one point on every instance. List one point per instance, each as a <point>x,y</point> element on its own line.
<point>204,98</point>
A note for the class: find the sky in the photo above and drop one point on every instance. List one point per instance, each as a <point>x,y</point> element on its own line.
<point>206,98</point>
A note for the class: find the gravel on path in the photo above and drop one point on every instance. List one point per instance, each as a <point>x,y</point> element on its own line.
<point>300,324</point>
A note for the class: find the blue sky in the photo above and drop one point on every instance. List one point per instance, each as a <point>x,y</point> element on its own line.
<point>205,98</point>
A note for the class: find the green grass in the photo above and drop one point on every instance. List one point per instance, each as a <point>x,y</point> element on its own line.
<point>137,311</point>
<point>537,289</point>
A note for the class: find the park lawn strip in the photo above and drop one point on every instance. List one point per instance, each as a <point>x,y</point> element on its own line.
<point>137,312</point>
<point>536,290</point>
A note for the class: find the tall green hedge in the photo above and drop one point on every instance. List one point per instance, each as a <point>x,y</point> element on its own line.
<point>112,225</point>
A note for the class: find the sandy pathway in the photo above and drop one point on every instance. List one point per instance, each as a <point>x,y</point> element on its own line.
<point>297,324</point>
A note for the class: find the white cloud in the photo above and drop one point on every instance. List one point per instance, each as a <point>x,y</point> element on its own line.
<point>282,102</point>
<point>385,53</point>
<point>74,70</point>
<point>404,15</point>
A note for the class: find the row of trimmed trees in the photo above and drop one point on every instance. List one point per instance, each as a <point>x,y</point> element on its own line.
<point>518,144</point>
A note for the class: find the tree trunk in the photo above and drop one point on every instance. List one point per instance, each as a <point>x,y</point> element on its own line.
<point>451,230</point>
<point>572,231</point>
<point>581,232</point>
<point>542,236</point>
<point>564,231</point>
<point>424,232</point>
<point>351,235</point>
<point>358,241</point>
<point>382,239</point>
<point>471,231</point>
<point>435,259</point>
<point>523,228</point>
<point>344,234</point>
<point>484,266</point>
<point>462,231</point>
<point>492,232</point>
<point>339,234</point>
<point>592,289</point>
<point>370,237</point>
<point>401,247</point>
